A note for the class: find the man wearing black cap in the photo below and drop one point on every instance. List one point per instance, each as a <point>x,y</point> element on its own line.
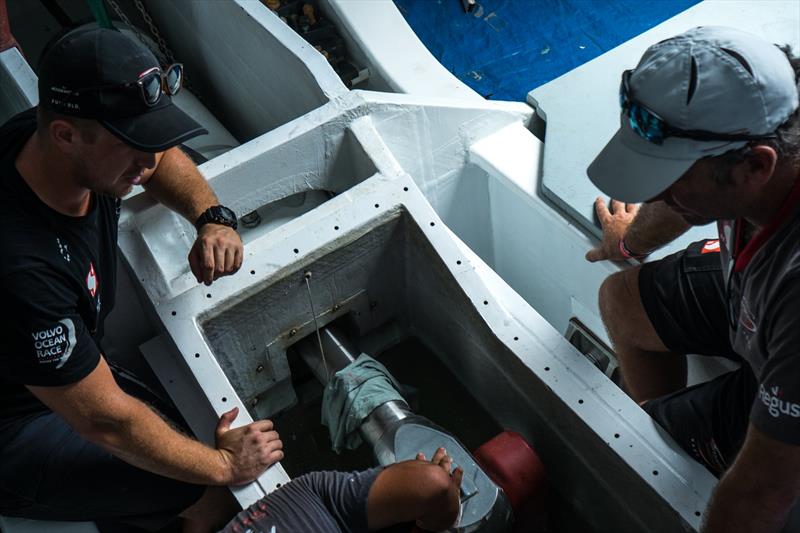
<point>710,131</point>
<point>74,446</point>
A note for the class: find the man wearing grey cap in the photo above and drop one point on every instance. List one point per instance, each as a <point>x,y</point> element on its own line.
<point>79,441</point>
<point>710,131</point>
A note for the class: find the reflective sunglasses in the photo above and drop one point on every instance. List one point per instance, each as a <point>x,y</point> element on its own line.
<point>651,127</point>
<point>152,83</point>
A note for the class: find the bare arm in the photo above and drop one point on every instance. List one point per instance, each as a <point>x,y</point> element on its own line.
<point>644,228</point>
<point>418,490</point>
<point>760,489</point>
<point>102,413</point>
<point>177,183</point>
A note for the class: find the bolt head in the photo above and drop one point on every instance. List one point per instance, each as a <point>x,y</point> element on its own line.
<point>292,332</point>
<point>260,368</point>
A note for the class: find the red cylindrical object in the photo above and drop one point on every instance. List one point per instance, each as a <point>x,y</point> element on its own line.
<point>511,463</point>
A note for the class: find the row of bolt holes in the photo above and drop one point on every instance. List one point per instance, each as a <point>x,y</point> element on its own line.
<point>546,369</point>
<point>616,435</point>
<point>197,355</point>
<point>485,302</point>
<point>297,251</point>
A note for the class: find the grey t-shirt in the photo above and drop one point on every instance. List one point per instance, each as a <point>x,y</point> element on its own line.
<point>763,285</point>
<point>322,502</point>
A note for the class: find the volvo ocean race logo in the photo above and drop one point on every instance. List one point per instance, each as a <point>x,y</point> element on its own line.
<point>775,405</point>
<point>55,344</point>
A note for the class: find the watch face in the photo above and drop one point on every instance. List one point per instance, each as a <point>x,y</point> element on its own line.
<point>226,214</point>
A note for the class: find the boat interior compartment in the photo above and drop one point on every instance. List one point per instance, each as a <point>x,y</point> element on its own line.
<point>378,252</point>
<point>433,226</point>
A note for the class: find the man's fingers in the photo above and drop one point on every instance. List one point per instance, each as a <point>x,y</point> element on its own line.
<point>631,208</point>
<point>617,206</point>
<point>226,420</point>
<point>238,258</point>
<point>262,425</point>
<point>595,254</point>
<point>439,455</point>
<point>420,456</point>
<point>603,214</point>
<point>458,475</point>
<point>230,261</point>
<point>219,261</point>
<point>208,264</point>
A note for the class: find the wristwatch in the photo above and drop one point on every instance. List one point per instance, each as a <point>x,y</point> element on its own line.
<point>627,253</point>
<point>217,214</point>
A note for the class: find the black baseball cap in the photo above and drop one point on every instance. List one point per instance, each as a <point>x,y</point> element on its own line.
<point>84,74</point>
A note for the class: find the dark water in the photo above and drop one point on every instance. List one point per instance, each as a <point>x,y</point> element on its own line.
<point>431,390</point>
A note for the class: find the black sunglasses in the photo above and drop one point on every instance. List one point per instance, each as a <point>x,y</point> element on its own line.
<point>651,127</point>
<point>152,83</point>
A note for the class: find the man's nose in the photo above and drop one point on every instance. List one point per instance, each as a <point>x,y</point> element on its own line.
<point>146,160</point>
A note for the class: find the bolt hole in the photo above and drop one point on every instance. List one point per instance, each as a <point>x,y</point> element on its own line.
<point>197,355</point>
<point>253,272</point>
<point>616,435</point>
<point>208,295</point>
<point>547,369</point>
<point>433,223</point>
<point>485,302</point>
<point>516,338</point>
<point>336,228</point>
<point>174,313</point>
<point>697,513</point>
<point>224,399</point>
<point>580,401</point>
<point>277,485</point>
<point>405,188</point>
<point>458,262</point>
<point>377,206</point>
<point>296,251</point>
<point>655,472</point>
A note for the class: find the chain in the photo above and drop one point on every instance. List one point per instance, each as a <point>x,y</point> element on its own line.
<point>164,54</point>
<point>124,18</point>
<point>162,44</point>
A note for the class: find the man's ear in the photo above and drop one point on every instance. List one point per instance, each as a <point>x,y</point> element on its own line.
<point>64,135</point>
<point>760,164</point>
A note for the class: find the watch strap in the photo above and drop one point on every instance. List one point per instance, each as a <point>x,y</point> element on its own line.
<point>217,214</point>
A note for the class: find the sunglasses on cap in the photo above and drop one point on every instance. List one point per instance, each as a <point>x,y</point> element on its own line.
<point>651,127</point>
<point>152,83</point>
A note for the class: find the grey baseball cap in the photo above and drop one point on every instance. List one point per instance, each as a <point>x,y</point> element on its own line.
<point>712,79</point>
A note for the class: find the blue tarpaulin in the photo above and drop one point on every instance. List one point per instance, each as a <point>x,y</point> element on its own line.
<point>505,48</point>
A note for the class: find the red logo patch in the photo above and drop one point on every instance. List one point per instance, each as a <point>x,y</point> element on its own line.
<point>91,280</point>
<point>711,247</point>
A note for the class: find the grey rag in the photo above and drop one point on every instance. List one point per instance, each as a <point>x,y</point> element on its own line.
<point>352,394</point>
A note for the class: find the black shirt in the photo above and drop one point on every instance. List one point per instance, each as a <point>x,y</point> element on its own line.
<point>57,281</point>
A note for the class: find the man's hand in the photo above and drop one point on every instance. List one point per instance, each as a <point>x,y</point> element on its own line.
<point>248,450</point>
<point>218,251</point>
<point>614,222</point>
<point>445,462</point>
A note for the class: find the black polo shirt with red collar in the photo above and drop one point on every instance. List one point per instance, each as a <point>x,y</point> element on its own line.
<point>763,292</point>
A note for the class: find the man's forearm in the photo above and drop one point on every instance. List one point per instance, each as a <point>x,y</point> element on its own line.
<point>145,440</point>
<point>178,184</point>
<point>737,506</point>
<point>655,225</point>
